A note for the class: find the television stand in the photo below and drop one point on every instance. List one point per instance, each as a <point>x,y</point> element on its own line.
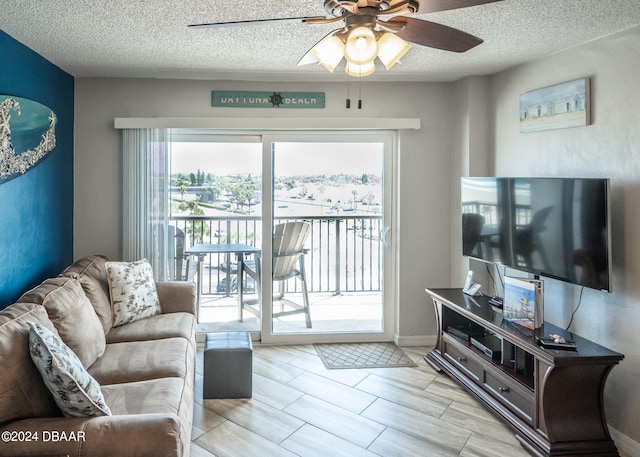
<point>551,398</point>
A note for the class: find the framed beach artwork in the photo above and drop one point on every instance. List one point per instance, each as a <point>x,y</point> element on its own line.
<point>556,107</point>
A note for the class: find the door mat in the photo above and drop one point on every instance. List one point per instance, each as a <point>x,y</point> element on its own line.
<point>362,355</point>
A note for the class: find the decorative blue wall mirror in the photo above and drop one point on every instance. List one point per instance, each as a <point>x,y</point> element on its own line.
<point>27,135</point>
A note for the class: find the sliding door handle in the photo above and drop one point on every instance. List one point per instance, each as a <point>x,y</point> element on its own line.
<point>385,236</point>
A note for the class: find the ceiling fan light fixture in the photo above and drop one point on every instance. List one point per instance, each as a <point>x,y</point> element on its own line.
<point>329,52</point>
<point>391,48</point>
<point>361,46</point>
<point>363,35</point>
<point>360,70</point>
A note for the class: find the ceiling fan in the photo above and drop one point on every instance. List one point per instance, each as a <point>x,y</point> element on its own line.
<point>363,36</point>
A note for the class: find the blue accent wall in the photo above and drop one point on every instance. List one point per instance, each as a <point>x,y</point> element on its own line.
<point>36,209</point>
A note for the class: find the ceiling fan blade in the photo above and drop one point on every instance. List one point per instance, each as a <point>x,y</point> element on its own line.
<point>287,20</point>
<point>432,6</point>
<point>389,26</point>
<point>324,20</point>
<point>435,35</point>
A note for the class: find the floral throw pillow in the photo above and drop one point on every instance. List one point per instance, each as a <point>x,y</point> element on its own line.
<point>132,290</point>
<point>74,390</point>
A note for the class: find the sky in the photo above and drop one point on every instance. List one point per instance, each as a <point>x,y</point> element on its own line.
<point>291,159</point>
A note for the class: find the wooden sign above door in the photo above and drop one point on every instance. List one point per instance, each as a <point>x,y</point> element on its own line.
<point>251,99</point>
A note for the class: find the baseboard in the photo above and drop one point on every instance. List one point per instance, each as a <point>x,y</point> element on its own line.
<point>418,340</point>
<point>626,446</point>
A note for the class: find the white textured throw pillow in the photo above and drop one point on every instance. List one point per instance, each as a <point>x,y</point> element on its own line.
<point>132,290</point>
<point>74,390</point>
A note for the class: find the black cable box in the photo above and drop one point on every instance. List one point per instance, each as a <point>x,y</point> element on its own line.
<point>465,332</point>
<point>490,345</point>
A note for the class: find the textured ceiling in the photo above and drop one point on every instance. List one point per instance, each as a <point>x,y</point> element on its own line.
<point>150,38</point>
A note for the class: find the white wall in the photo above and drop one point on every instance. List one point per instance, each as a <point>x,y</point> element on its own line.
<point>423,165</point>
<point>472,155</point>
<point>608,148</point>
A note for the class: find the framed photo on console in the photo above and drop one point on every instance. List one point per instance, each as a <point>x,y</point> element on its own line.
<point>523,304</point>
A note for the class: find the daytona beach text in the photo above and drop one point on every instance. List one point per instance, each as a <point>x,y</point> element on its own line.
<point>259,100</point>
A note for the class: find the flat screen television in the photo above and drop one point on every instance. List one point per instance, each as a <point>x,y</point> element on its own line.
<point>553,227</point>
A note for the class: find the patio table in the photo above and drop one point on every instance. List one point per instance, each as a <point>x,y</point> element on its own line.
<point>201,250</point>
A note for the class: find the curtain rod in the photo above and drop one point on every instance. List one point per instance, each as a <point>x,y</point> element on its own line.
<point>262,124</point>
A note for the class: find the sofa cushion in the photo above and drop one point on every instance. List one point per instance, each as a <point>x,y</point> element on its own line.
<point>167,397</point>
<point>92,274</point>
<point>133,291</point>
<point>72,315</point>
<point>155,327</point>
<point>75,392</point>
<point>143,360</point>
<point>153,396</point>
<point>177,296</point>
<point>23,394</point>
<point>98,294</point>
<point>93,266</point>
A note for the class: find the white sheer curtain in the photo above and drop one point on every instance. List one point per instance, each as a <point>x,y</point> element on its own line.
<point>145,159</point>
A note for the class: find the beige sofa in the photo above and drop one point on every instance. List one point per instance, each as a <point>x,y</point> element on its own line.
<point>145,370</point>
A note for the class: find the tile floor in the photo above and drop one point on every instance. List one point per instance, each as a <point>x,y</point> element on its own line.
<point>299,408</point>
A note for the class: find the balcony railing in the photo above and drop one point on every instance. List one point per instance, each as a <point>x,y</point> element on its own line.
<point>345,252</point>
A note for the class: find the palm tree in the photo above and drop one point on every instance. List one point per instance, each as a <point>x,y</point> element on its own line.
<point>321,190</point>
<point>369,198</point>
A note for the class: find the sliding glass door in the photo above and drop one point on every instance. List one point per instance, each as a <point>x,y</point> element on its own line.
<point>215,193</point>
<point>339,187</point>
<point>240,189</point>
